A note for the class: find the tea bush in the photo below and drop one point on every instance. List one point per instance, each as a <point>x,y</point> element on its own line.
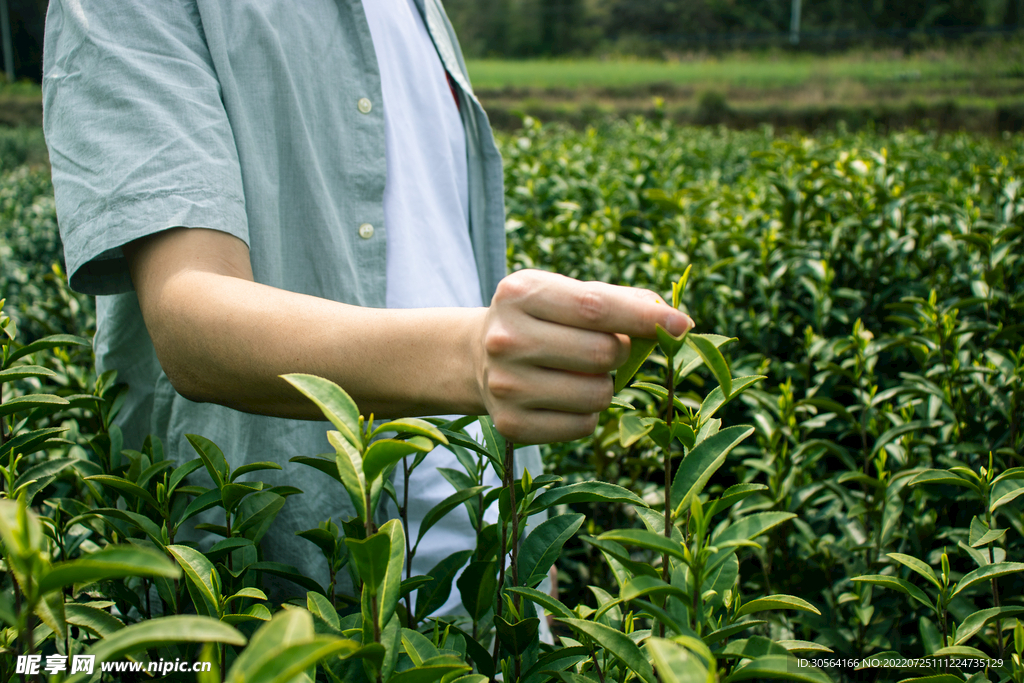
<point>829,473</point>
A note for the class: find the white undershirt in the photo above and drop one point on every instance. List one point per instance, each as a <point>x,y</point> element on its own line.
<point>426,199</point>
<point>430,259</point>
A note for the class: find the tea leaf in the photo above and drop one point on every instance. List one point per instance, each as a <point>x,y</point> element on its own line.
<point>371,557</point>
<point>918,566</point>
<point>349,462</point>
<point>435,594</point>
<point>713,358</point>
<point>943,477</point>
<point>125,486</point>
<point>803,646</point>
<point>97,621</point>
<point>898,584</point>
<point>417,646</point>
<point>493,439</point>
<point>776,602</point>
<point>391,582</point>
<point>212,457</point>
<point>644,586</point>
<point>286,646</point>
<point>25,371</point>
<point>161,632</point>
<point>584,492</point>
<point>551,604</point>
<point>30,402</point>
<point>645,539</point>
<point>384,453</point>
<point>895,432</point>
<point>674,663</point>
<point>52,342</point>
<point>1006,498</point>
<point>477,587</point>
<point>411,425</point>
<point>633,427</point>
<point>777,666</point>
<point>730,631</point>
<point>702,462</point>
<point>745,529</point>
<point>254,467</point>
<point>639,351</point>
<point>256,513</point>
<point>112,562</point>
<point>990,571</point>
<point>251,613</point>
<point>716,398</point>
<point>517,637</point>
<point>975,622</point>
<point>542,547</point>
<point>201,577</point>
<point>733,495</point>
<point>204,502</point>
<point>286,571</point>
<point>336,405</point>
<point>617,643</point>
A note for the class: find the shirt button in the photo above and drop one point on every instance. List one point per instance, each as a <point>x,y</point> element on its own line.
<point>366,231</point>
<point>364,105</point>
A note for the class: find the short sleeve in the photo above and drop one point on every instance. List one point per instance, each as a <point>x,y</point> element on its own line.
<point>138,135</point>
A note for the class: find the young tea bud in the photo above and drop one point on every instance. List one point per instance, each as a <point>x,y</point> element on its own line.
<point>945,569</point>
<point>1018,638</point>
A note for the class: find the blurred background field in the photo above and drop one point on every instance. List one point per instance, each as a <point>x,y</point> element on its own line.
<point>806,64</point>
<point>975,87</point>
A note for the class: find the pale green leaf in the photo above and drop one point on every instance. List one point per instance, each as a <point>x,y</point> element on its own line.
<point>336,405</point>
<point>639,350</point>
<point>617,643</point>
<point>772,602</point>
<point>112,562</point>
<point>713,358</point>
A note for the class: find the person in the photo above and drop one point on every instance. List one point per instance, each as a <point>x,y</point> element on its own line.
<point>260,187</point>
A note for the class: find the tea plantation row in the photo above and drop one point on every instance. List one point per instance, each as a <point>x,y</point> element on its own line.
<point>859,302</point>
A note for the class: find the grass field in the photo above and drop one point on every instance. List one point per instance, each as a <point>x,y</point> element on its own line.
<point>978,88</point>
<point>980,80</point>
<point>755,71</point>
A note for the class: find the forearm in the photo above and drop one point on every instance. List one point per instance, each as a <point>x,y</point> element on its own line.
<point>227,340</point>
<point>537,359</point>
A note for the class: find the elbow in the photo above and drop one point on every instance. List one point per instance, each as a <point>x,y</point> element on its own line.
<point>186,378</point>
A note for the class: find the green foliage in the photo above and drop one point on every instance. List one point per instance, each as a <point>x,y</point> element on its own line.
<point>831,463</point>
<point>872,284</point>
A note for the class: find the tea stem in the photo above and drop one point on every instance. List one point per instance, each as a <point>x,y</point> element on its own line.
<point>995,591</point>
<point>510,468</point>
<point>510,461</point>
<point>597,667</point>
<point>502,558</point>
<point>666,566</point>
<point>3,423</point>
<point>404,512</point>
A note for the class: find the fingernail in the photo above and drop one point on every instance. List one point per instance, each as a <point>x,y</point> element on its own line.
<point>679,323</point>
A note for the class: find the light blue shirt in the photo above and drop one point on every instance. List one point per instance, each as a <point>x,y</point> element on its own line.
<point>260,118</point>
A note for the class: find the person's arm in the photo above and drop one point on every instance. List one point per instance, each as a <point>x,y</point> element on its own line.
<point>537,360</point>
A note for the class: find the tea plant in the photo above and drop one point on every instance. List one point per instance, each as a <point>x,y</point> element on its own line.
<point>834,475</point>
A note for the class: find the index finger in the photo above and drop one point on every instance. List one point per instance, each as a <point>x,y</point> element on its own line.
<point>601,307</point>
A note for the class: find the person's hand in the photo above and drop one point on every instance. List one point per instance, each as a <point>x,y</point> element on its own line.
<point>548,345</point>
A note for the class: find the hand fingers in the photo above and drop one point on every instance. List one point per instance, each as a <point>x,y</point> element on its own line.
<point>534,388</point>
<point>594,306</point>
<point>535,342</point>
<point>545,426</point>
